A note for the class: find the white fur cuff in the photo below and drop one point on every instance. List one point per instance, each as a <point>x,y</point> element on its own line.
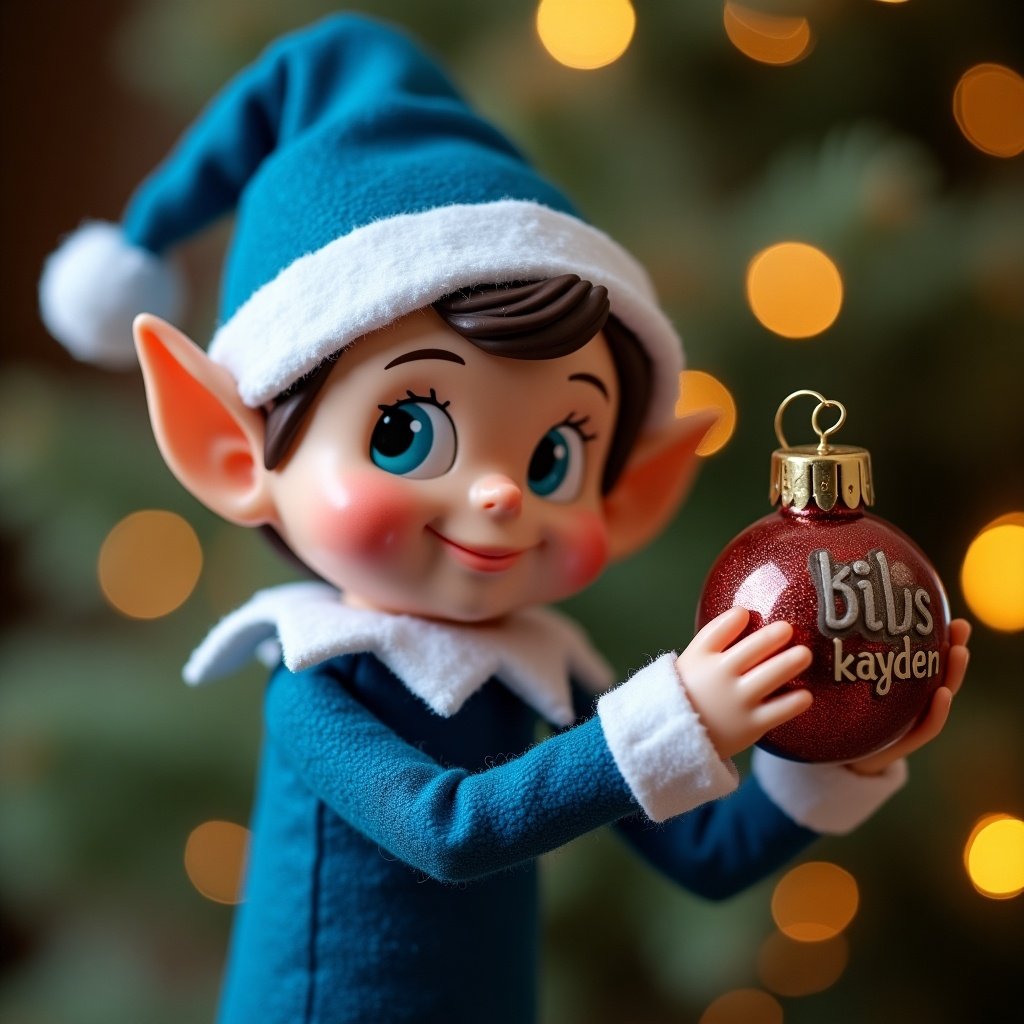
<point>660,745</point>
<point>827,798</point>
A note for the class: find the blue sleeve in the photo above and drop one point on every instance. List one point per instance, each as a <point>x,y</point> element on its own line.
<point>719,848</point>
<point>722,847</point>
<point>448,822</point>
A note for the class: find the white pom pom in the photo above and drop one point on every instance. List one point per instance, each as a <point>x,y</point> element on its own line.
<point>95,284</point>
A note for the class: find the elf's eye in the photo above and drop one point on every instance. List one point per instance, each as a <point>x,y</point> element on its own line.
<point>557,464</point>
<point>414,438</point>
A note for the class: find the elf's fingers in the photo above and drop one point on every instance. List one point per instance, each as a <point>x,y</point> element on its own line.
<point>753,649</point>
<point>781,709</point>
<point>923,732</point>
<point>959,632</point>
<point>956,668</point>
<point>767,677</point>
<point>720,631</point>
<point>928,727</point>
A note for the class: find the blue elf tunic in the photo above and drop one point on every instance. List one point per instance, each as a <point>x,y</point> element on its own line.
<point>392,873</point>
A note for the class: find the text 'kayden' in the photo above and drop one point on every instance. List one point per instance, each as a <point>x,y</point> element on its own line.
<point>861,597</point>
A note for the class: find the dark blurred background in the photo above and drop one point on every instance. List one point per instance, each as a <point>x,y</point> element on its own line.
<point>715,135</point>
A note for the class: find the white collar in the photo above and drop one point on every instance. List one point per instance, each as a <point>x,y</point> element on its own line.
<point>533,651</point>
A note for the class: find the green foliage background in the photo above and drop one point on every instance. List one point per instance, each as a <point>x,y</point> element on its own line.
<point>695,158</point>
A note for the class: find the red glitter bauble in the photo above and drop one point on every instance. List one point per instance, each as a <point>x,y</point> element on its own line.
<point>857,591</point>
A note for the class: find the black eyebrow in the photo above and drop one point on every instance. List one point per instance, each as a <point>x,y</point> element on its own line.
<point>426,353</point>
<point>591,379</point>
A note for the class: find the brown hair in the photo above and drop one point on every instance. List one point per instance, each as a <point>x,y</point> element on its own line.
<point>534,320</point>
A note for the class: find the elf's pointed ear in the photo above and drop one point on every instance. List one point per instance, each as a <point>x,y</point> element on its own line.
<point>209,439</point>
<point>654,483</point>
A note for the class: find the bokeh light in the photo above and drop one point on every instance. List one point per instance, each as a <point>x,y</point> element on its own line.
<point>215,855</point>
<point>767,38</point>
<point>988,104</point>
<point>994,856</point>
<point>743,1006</point>
<point>790,968</point>
<point>814,901</point>
<point>699,390</point>
<point>149,564</point>
<point>586,34</point>
<point>992,575</point>
<point>794,289</point>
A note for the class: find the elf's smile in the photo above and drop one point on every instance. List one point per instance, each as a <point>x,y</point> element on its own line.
<point>482,559</point>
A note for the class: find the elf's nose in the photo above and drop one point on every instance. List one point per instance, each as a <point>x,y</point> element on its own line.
<point>496,494</point>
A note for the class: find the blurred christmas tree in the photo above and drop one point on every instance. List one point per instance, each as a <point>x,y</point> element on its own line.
<point>720,131</point>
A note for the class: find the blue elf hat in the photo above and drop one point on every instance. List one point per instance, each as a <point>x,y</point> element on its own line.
<point>365,188</point>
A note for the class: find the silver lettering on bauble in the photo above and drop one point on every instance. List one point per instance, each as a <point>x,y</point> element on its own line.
<point>878,610</point>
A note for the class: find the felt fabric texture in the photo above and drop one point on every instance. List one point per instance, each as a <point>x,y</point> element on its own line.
<point>392,876</point>
<point>827,798</point>
<point>392,873</point>
<point>364,188</point>
<point>333,127</point>
<point>535,651</point>
<point>655,736</point>
<point>657,740</point>
<point>95,284</point>
<point>659,744</point>
<point>369,278</point>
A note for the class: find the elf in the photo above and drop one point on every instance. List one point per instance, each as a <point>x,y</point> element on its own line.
<point>452,399</point>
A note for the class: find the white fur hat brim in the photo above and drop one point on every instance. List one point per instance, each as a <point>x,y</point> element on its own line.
<point>370,277</point>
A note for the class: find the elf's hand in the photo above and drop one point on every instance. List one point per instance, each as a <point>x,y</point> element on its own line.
<point>731,688</point>
<point>930,724</point>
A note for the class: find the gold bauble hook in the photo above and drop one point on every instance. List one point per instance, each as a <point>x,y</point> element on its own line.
<point>823,403</point>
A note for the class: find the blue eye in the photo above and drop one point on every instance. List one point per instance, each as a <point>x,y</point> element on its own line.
<point>414,438</point>
<point>556,466</point>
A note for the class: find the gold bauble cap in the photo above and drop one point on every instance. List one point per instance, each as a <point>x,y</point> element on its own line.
<point>822,473</point>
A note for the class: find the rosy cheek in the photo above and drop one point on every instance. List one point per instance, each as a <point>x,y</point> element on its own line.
<point>362,515</point>
<point>583,550</point>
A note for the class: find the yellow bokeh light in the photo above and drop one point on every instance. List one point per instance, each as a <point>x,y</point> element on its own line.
<point>988,104</point>
<point>743,1006</point>
<point>149,564</point>
<point>767,38</point>
<point>215,855</point>
<point>994,856</point>
<point>790,968</point>
<point>794,289</point>
<point>814,901</point>
<point>992,576</point>
<point>1011,518</point>
<point>699,390</point>
<point>586,34</point>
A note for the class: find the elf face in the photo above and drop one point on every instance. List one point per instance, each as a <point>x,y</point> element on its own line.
<point>434,479</point>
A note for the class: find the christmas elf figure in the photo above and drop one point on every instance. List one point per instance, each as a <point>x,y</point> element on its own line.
<point>451,398</point>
